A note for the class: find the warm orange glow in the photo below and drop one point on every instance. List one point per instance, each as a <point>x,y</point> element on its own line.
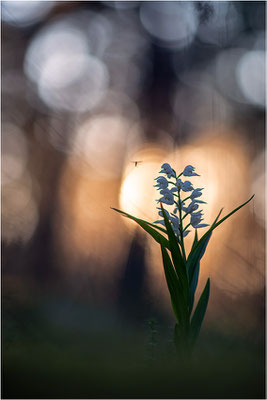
<point>92,238</point>
<point>102,141</point>
<point>137,194</point>
<point>95,238</point>
<point>258,187</point>
<point>223,163</point>
<point>19,210</point>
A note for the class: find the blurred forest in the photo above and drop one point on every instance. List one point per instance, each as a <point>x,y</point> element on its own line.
<point>88,88</point>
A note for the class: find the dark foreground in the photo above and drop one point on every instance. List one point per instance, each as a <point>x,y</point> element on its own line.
<point>81,354</point>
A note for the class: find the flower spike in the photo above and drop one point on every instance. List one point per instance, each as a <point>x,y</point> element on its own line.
<point>167,169</point>
<point>189,171</point>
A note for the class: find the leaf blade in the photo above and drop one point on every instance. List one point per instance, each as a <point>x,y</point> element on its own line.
<point>177,258</point>
<point>174,287</point>
<point>147,227</point>
<point>199,313</point>
<point>193,279</point>
<point>215,223</point>
<point>199,248</point>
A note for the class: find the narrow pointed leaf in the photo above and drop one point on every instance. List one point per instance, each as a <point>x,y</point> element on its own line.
<point>214,225</point>
<point>195,275</point>
<point>147,226</point>
<point>199,248</point>
<point>195,239</point>
<point>125,214</point>
<point>195,243</point>
<point>232,212</point>
<point>195,257</point>
<point>177,258</point>
<point>193,263</point>
<point>174,287</point>
<point>199,313</point>
<point>193,286</point>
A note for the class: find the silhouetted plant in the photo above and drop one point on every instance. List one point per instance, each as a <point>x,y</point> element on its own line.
<point>181,270</point>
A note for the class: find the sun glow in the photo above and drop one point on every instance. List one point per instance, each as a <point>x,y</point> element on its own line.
<point>222,161</point>
<point>137,194</point>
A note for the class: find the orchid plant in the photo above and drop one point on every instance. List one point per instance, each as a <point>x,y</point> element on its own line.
<point>181,270</point>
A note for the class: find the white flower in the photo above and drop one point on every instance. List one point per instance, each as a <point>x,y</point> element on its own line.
<point>195,220</point>
<point>196,193</point>
<point>161,213</point>
<point>173,219</point>
<point>193,206</point>
<point>189,171</point>
<point>167,197</point>
<point>175,222</point>
<point>160,221</point>
<point>200,201</point>
<point>176,226</point>
<point>187,186</point>
<point>185,233</point>
<point>167,169</point>
<point>177,209</point>
<point>179,184</point>
<point>201,226</point>
<point>162,183</point>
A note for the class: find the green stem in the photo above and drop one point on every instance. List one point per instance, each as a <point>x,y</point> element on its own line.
<point>181,226</point>
<point>185,215</point>
<point>187,226</point>
<point>186,198</point>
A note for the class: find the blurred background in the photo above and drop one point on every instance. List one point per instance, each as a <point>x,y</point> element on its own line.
<point>87,89</point>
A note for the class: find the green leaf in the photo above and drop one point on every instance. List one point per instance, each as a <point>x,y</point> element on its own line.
<point>199,313</point>
<point>215,223</point>
<point>195,243</point>
<point>232,212</point>
<point>192,287</point>
<point>197,252</point>
<point>195,239</point>
<point>175,289</point>
<point>193,263</point>
<point>147,226</point>
<point>199,248</point>
<point>177,258</point>
<point>195,274</point>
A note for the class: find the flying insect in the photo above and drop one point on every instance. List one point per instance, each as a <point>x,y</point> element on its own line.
<point>136,163</point>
